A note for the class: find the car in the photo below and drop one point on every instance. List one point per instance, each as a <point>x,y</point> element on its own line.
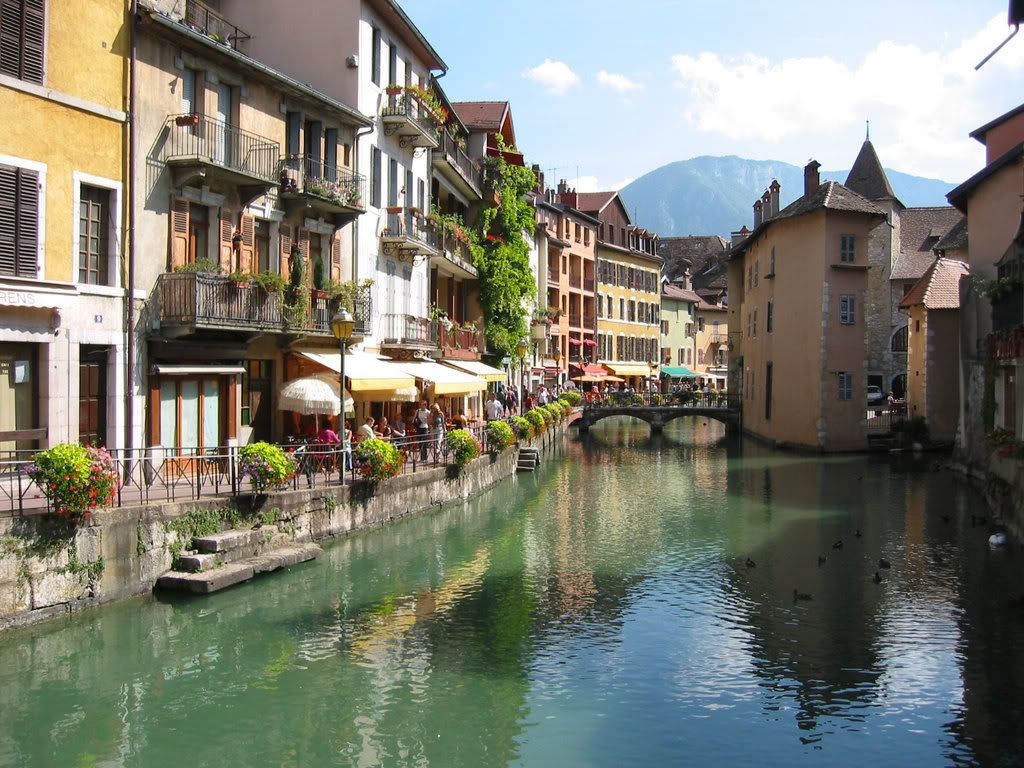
<point>875,395</point>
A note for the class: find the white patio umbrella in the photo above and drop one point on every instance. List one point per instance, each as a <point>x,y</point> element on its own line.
<point>313,396</point>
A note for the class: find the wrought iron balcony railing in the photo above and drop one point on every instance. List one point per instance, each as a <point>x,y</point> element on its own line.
<point>449,148</point>
<point>204,19</point>
<point>409,231</point>
<point>460,343</point>
<point>407,116</point>
<point>408,330</point>
<point>196,139</point>
<point>335,186</point>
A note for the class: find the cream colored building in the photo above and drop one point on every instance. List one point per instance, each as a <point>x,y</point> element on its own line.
<point>797,289</point>
<point>711,355</point>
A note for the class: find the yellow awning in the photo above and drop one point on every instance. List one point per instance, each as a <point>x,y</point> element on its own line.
<point>445,380</point>
<point>475,367</point>
<point>626,369</point>
<point>365,373</point>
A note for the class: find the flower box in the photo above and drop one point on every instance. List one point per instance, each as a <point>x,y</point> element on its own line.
<point>183,121</point>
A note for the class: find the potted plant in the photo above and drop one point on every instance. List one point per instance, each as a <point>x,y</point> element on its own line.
<point>378,459</point>
<point>271,282</point>
<point>240,279</point>
<point>393,89</point>
<point>186,121</point>
<point>266,465</point>
<point>462,445</point>
<point>204,266</point>
<point>318,279</point>
<point>74,478</point>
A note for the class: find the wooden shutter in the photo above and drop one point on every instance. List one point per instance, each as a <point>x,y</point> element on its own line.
<point>179,232</point>
<point>285,236</point>
<point>227,230</point>
<point>247,261</point>
<point>22,25</point>
<point>303,242</point>
<point>336,256</point>
<point>8,218</point>
<point>19,222</point>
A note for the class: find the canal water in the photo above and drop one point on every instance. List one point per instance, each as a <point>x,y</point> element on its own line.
<point>600,612</point>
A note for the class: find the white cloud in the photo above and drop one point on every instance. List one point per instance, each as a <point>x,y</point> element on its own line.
<point>621,183</point>
<point>592,184</point>
<point>617,82</point>
<point>921,102</point>
<point>556,76</point>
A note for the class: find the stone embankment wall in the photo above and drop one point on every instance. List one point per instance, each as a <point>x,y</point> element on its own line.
<point>48,570</point>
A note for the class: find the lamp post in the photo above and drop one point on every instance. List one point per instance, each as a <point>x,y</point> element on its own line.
<point>521,350</point>
<point>342,326</point>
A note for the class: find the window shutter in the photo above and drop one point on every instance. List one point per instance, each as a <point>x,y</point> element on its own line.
<point>8,218</point>
<point>303,242</point>
<point>227,230</point>
<point>246,261</point>
<point>336,256</point>
<point>179,232</point>
<point>285,236</point>
<point>21,39</point>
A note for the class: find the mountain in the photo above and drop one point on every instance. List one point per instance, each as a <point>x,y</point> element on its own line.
<point>715,195</point>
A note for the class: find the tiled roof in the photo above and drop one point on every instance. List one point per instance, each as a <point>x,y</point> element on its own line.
<point>955,239</point>
<point>939,288</point>
<point>831,195</point>
<point>867,177</point>
<point>672,292</point>
<point>695,250</point>
<point>484,115</point>
<point>593,202</point>
<point>920,231</point>
<point>706,307</point>
<point>960,195</point>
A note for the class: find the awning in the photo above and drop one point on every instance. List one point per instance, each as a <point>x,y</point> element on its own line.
<point>365,373</point>
<point>485,372</point>
<point>681,372</point>
<point>445,380</point>
<point>593,370</point>
<point>624,369</point>
<point>197,370</point>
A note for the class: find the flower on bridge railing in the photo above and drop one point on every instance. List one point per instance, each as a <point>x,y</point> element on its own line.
<point>266,465</point>
<point>74,478</point>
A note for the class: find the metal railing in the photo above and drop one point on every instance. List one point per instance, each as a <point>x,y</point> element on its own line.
<point>163,475</point>
<point>204,19</point>
<point>881,420</point>
<point>205,300</point>
<point>588,284</point>
<point>406,224</point>
<point>208,140</point>
<point>457,156</point>
<point>713,399</point>
<point>335,184</point>
<point>1008,310</point>
<point>409,106</point>
<point>457,251</point>
<point>408,329</point>
<point>453,339</point>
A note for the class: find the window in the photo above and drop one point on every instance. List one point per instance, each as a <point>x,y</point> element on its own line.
<point>586,235</point>
<point>19,222</point>
<point>257,386</point>
<point>769,321</point>
<point>899,340</point>
<point>375,57</point>
<point>622,309</point>
<point>682,356</point>
<point>664,327</point>
<point>189,103</point>
<point>845,382</point>
<point>750,276</point>
<point>757,269</point>
<point>190,414</point>
<point>755,321</point>
<point>392,62</point>
<point>700,357</point>
<point>847,309</point>
<point>700,324</point>
<point>375,172</point>
<point>198,232</point>
<point>847,248</point>
<point>392,182</point>
<point>771,263</point>
<point>632,311</point>
<point>768,392</point>
<point>262,243</point>
<point>93,235</point>
<point>576,232</point>
<point>609,312</point>
<point>21,39</point>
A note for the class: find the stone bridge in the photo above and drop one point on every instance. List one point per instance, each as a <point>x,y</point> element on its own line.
<point>659,415</point>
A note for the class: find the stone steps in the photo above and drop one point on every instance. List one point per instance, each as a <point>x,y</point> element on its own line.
<point>528,460</point>
<point>224,575</point>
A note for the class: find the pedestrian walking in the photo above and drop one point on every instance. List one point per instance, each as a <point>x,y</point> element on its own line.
<point>423,419</point>
<point>437,423</point>
<point>493,409</point>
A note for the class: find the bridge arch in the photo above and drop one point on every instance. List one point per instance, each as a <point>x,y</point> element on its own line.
<point>657,416</point>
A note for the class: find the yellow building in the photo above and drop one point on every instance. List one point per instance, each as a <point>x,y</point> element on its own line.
<point>628,290</point>
<point>62,234</point>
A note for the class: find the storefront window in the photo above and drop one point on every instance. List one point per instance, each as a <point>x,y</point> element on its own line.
<point>19,411</point>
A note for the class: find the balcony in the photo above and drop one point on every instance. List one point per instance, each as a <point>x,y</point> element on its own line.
<point>717,337</point>
<point>575,281</point>
<point>325,190</point>
<point>455,257</point>
<point>406,116</point>
<point>408,331</point>
<point>588,284</point>
<point>408,236</point>
<point>574,319</point>
<point>590,321</point>
<point>191,302</point>
<point>200,148</point>
<point>460,343</point>
<point>1008,309</point>
<point>554,274</point>
<point>205,20</point>
<point>453,161</point>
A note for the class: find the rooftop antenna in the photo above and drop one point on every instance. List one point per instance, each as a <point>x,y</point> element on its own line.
<point>1014,17</point>
<point>867,130</point>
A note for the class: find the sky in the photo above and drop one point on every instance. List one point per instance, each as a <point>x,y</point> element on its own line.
<point>603,92</point>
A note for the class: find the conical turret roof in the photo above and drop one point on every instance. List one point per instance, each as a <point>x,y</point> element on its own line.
<point>867,177</point>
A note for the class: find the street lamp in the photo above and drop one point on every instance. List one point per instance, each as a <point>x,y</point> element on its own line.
<point>342,326</point>
<point>521,350</point>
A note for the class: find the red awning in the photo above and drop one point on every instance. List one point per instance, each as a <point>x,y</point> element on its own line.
<point>593,370</point>
<point>575,342</point>
<point>590,342</point>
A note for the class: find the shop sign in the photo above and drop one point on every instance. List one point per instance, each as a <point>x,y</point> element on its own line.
<point>11,298</point>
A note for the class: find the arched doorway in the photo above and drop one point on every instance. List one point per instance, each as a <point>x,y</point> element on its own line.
<point>899,386</point>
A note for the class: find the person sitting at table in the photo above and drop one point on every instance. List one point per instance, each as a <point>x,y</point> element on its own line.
<point>326,435</point>
<point>459,421</point>
<point>384,430</point>
<point>366,430</point>
<point>398,434</point>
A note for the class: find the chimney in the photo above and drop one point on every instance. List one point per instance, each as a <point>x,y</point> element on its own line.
<point>539,174</point>
<point>811,178</point>
<point>739,236</point>
<point>775,189</point>
<point>766,206</point>
<point>758,215</point>
<point>567,195</point>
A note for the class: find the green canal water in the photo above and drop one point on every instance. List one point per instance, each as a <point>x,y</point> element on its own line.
<point>599,612</point>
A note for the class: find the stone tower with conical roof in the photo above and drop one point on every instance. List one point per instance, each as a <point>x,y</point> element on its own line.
<point>886,367</point>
